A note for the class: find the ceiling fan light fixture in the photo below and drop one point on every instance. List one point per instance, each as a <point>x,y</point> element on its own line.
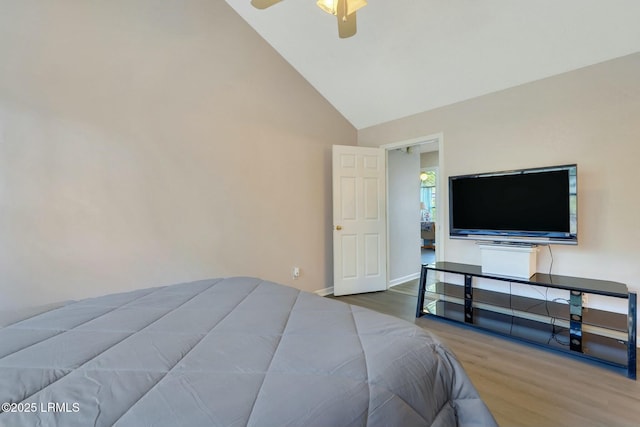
<point>332,6</point>
<point>343,10</point>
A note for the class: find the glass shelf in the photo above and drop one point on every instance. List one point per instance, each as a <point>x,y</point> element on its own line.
<point>610,350</point>
<point>533,306</point>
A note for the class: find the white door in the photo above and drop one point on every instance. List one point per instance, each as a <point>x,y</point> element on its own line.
<point>359,224</point>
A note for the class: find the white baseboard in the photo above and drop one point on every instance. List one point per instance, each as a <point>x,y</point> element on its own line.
<point>324,292</point>
<point>405,279</point>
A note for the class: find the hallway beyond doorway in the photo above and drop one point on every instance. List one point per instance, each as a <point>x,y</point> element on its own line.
<point>428,256</point>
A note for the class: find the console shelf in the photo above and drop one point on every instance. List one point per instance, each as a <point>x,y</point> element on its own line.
<point>562,324</point>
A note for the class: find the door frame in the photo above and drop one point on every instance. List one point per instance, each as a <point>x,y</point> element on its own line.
<point>437,141</point>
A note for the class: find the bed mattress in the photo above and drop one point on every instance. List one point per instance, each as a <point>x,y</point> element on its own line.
<point>228,352</point>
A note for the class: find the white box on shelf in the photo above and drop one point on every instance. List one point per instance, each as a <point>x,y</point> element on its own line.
<point>509,260</point>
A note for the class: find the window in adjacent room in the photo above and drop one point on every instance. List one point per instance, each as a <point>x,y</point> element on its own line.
<point>428,196</point>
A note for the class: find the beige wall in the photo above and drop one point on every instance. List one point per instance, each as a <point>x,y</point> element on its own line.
<point>144,143</point>
<point>589,117</point>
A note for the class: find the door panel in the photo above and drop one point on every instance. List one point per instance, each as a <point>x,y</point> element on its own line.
<point>372,255</point>
<point>359,229</point>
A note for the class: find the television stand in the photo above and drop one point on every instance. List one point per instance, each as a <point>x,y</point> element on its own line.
<point>563,324</point>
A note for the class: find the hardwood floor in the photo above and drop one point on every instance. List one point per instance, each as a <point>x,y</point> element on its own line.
<point>524,385</point>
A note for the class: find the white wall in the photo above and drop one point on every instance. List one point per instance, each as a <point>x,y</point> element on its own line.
<point>145,143</point>
<point>429,159</point>
<point>588,116</point>
<point>403,170</point>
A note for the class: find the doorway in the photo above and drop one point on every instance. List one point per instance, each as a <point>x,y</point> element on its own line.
<point>405,249</point>
<point>428,206</point>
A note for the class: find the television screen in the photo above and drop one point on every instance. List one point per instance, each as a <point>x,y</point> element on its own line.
<point>528,205</point>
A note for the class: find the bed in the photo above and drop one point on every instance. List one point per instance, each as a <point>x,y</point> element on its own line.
<point>228,352</point>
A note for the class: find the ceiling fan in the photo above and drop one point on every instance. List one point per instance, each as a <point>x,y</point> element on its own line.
<point>344,10</point>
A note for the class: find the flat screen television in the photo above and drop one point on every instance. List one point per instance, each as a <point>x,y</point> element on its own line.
<point>537,206</point>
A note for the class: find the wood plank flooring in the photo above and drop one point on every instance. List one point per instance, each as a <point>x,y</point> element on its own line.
<point>524,385</point>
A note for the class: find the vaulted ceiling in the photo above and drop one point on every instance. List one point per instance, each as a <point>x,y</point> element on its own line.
<point>411,56</point>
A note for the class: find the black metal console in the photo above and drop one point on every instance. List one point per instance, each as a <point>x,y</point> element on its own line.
<point>563,323</point>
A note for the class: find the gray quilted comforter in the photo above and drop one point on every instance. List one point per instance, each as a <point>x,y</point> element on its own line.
<point>228,352</point>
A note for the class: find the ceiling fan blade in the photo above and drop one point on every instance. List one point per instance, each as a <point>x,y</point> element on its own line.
<point>263,4</point>
<point>347,25</point>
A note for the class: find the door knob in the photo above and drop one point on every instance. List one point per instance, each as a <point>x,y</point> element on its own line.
<point>338,227</point>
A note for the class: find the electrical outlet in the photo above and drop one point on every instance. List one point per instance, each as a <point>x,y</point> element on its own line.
<point>296,272</point>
